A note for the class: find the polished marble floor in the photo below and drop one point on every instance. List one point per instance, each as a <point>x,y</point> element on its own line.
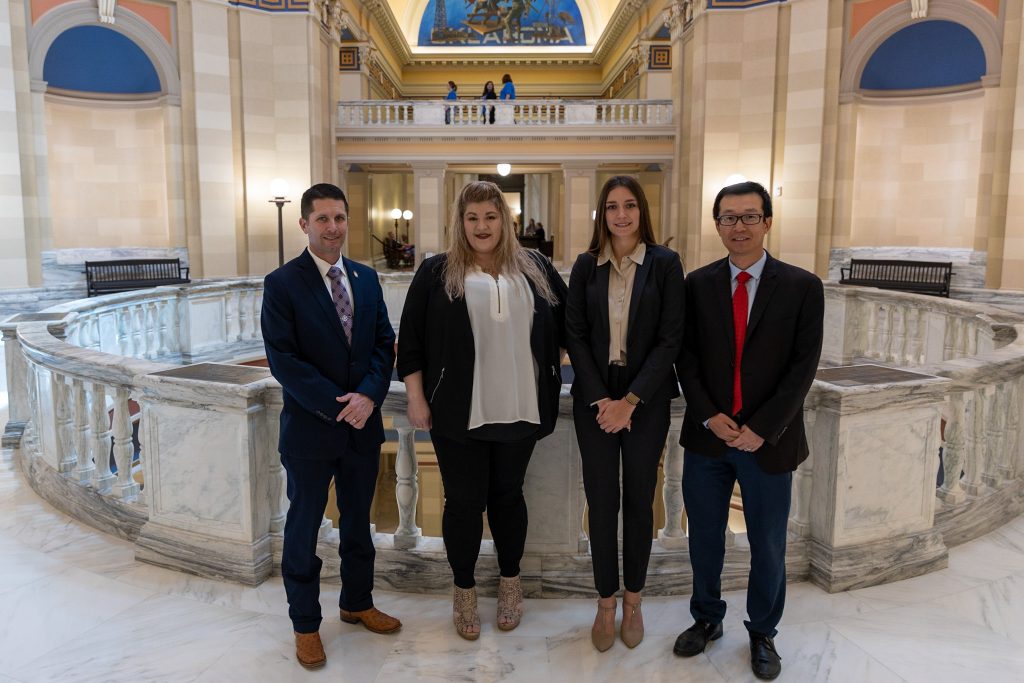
<point>76,606</point>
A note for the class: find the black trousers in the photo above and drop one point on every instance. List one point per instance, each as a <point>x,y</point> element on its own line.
<point>638,452</point>
<point>478,476</point>
<point>355,477</point>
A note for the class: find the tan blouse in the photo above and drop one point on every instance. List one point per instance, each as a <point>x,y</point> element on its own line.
<point>620,289</point>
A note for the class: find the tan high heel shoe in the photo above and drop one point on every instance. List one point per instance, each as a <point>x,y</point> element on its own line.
<point>464,614</point>
<point>510,602</point>
<point>632,629</point>
<point>602,635</point>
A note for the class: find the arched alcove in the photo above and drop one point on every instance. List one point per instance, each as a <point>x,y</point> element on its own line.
<point>96,59</point>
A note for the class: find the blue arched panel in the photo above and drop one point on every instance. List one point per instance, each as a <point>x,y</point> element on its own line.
<point>455,23</point>
<point>929,54</point>
<point>97,59</point>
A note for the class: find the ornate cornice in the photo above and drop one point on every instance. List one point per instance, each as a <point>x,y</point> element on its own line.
<point>623,15</point>
<point>381,11</point>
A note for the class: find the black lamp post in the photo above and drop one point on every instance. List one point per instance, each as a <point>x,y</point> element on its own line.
<point>279,188</point>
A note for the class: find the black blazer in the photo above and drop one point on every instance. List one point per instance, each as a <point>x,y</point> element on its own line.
<point>780,357</point>
<point>654,332</point>
<point>311,358</point>
<point>436,338</point>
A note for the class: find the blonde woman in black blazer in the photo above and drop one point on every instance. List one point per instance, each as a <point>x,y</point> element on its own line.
<point>479,352</point>
<point>626,297</point>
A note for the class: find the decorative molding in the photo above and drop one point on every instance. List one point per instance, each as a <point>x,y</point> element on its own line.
<point>617,25</point>
<point>973,16</point>
<point>659,57</point>
<point>349,58</point>
<point>83,13</point>
<point>273,5</point>
<point>381,11</point>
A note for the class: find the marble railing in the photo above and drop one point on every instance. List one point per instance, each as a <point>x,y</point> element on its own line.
<point>865,507</point>
<point>398,114</point>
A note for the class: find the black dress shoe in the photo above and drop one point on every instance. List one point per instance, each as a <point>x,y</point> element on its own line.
<point>765,662</point>
<point>693,640</point>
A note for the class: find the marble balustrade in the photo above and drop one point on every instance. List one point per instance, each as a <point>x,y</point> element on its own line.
<point>865,504</point>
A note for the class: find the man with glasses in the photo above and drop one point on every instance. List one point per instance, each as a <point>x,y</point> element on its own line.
<point>751,346</point>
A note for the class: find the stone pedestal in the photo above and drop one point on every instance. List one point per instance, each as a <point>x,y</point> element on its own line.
<point>209,505</point>
<point>875,445</point>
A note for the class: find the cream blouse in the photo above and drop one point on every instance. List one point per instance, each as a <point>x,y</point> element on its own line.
<point>504,372</point>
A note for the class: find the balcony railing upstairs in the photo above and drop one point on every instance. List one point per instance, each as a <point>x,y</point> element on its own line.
<point>651,115</point>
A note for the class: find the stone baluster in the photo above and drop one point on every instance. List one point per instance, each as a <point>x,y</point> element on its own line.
<point>1013,440</point>
<point>975,453</point>
<point>124,337</point>
<point>99,422</point>
<point>954,451</point>
<point>918,331</point>
<point>898,347</point>
<point>885,333</point>
<point>406,489</point>
<point>674,533</point>
<point>85,468</point>
<point>948,339</point>
<point>870,339</point>
<point>138,330</point>
<point>244,315</point>
<point>96,342</point>
<point>163,342</point>
<point>66,457</point>
<point>231,329</point>
<point>126,487</point>
<point>152,330</point>
<point>995,436</point>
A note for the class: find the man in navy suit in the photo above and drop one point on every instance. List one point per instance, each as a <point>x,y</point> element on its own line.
<point>751,345</point>
<point>330,345</point>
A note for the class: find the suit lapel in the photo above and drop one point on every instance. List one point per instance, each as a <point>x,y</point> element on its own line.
<point>601,291</point>
<point>765,288</point>
<point>311,275</point>
<point>639,279</point>
<point>723,296</point>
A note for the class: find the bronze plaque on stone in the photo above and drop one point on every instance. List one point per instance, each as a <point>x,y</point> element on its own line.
<point>861,375</point>
<point>218,372</point>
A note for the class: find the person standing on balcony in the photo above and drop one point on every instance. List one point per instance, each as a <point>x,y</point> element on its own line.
<point>624,326</point>
<point>331,346</point>
<point>453,95</point>
<point>479,352</point>
<point>488,94</point>
<point>753,338</point>
<point>508,88</point>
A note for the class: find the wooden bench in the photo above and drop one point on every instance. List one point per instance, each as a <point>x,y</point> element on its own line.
<point>922,277</point>
<point>110,277</point>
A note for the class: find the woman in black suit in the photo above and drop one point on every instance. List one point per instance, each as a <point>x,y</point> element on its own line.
<point>624,326</point>
<point>479,352</point>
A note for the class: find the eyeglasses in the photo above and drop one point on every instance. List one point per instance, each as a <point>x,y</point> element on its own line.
<point>729,220</point>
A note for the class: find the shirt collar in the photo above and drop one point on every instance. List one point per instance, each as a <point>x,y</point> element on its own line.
<point>637,255</point>
<point>754,271</point>
<point>324,266</point>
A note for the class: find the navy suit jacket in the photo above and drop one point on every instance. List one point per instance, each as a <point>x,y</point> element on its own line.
<point>780,357</point>
<point>314,362</point>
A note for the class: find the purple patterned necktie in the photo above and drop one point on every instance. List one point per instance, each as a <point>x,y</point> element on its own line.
<point>342,302</point>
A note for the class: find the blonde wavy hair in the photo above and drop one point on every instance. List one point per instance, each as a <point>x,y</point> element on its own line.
<point>509,257</point>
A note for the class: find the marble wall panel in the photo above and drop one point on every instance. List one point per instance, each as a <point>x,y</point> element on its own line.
<point>206,323</point>
<point>552,485</point>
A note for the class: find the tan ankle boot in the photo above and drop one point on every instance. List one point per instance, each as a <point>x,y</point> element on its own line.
<point>464,614</point>
<point>510,602</point>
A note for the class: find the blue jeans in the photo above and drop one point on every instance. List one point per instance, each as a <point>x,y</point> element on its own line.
<point>707,487</point>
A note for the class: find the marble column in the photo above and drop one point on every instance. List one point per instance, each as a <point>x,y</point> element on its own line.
<point>872,507</point>
<point>580,200</point>
<point>429,215</point>
<point>13,227</point>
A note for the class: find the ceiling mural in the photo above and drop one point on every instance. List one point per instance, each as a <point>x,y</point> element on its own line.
<point>475,23</point>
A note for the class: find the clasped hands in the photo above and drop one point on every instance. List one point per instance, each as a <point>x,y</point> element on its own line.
<point>357,411</point>
<point>734,436</point>
<point>614,416</point>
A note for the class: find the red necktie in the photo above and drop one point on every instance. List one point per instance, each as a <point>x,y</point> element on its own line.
<point>739,323</point>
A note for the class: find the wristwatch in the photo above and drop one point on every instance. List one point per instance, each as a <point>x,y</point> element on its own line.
<point>632,399</point>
